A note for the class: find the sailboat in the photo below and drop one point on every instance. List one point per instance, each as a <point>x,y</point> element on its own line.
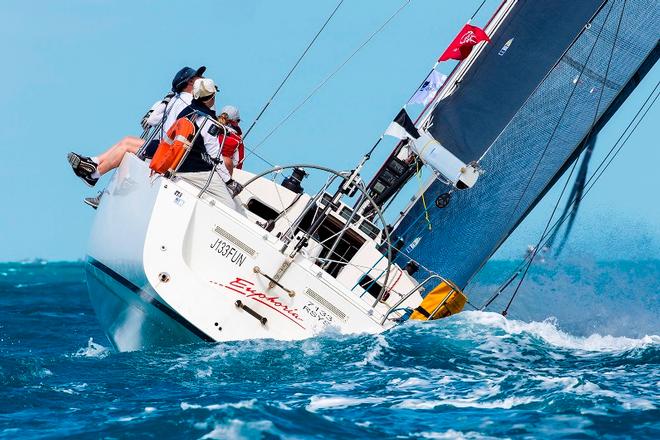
<point>168,264</point>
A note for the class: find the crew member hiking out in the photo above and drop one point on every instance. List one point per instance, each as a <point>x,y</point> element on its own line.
<point>90,169</point>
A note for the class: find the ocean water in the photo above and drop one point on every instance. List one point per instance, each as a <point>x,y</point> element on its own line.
<point>592,371</point>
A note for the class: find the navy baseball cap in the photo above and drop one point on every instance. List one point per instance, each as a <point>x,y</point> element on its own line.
<point>184,75</point>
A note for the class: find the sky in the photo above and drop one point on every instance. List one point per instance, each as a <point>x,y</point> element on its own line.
<point>79,75</point>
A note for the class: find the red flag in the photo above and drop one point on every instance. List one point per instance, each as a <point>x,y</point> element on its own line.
<point>462,45</point>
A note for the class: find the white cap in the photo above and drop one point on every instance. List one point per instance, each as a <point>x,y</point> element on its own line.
<point>232,112</point>
<point>204,87</point>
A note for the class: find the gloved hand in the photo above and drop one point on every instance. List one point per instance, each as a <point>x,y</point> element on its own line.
<point>234,187</point>
<point>144,123</point>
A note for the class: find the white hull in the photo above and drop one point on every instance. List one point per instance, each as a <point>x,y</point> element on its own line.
<point>166,267</point>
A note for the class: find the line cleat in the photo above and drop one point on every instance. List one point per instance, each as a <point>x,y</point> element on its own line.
<point>83,167</point>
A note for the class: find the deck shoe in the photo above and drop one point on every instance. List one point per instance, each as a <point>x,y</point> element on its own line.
<point>83,167</point>
<point>94,201</point>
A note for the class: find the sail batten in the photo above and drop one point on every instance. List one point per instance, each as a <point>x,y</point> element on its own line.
<point>543,136</point>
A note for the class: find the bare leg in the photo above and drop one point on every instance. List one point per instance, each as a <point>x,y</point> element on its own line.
<point>111,159</point>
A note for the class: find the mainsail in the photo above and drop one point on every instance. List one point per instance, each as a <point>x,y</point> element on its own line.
<point>552,74</point>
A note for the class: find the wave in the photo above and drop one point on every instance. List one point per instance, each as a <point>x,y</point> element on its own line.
<point>618,298</point>
<point>419,380</point>
<point>548,330</point>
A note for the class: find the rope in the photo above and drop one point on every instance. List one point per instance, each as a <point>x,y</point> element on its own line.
<point>258,156</point>
<point>426,210</point>
<point>329,77</point>
<point>589,133</point>
<point>292,69</point>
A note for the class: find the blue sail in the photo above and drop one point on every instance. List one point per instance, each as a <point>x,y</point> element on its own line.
<point>524,151</point>
<point>532,38</point>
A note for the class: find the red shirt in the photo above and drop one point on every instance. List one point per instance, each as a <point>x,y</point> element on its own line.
<point>233,147</point>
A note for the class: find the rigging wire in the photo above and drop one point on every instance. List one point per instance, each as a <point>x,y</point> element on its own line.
<point>478,9</point>
<point>536,249</point>
<point>329,77</point>
<point>252,150</point>
<point>292,69</point>
<point>605,163</point>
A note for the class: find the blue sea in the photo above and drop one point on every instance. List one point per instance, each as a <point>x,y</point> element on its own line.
<point>591,370</point>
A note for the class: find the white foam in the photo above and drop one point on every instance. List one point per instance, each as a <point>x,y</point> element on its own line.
<point>249,404</point>
<point>93,350</point>
<point>207,372</point>
<point>64,390</point>
<point>44,372</point>
<point>373,354</point>
<point>506,403</point>
<point>346,386</point>
<point>627,401</point>
<point>416,384</point>
<point>72,389</point>
<point>638,403</point>
<point>218,406</point>
<point>451,435</point>
<point>237,429</point>
<point>549,383</point>
<point>311,347</point>
<point>339,402</point>
<point>549,332</point>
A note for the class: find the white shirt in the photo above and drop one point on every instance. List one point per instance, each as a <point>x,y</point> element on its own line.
<point>212,144</point>
<point>171,111</point>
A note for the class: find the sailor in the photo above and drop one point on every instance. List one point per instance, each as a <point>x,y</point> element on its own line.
<point>166,111</point>
<point>233,150</point>
<point>205,154</point>
<point>90,169</point>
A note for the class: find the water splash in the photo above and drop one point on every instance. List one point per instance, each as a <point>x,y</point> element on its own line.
<point>92,350</point>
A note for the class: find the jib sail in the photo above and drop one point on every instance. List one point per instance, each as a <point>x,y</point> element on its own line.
<point>523,110</point>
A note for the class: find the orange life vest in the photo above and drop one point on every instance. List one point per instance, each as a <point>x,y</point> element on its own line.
<point>173,146</point>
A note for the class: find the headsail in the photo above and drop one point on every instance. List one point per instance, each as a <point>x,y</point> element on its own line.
<point>525,47</point>
<point>529,142</point>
